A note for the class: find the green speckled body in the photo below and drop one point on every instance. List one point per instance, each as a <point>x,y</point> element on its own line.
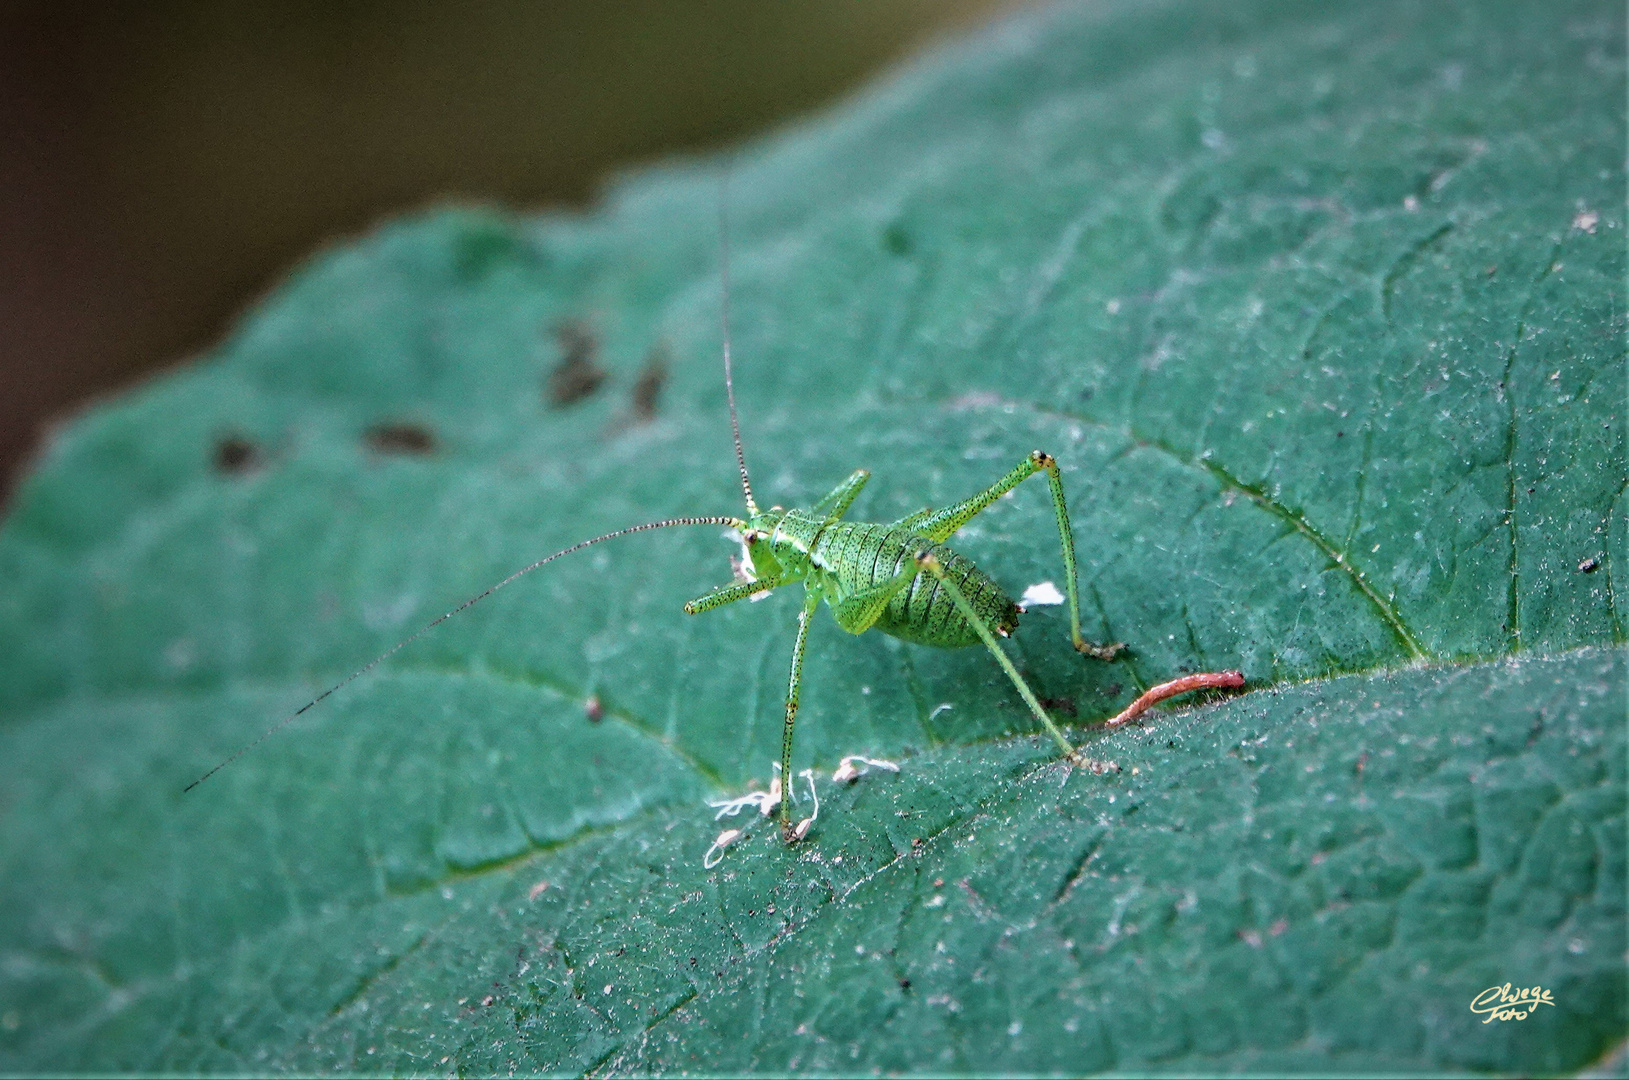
<point>858,555</point>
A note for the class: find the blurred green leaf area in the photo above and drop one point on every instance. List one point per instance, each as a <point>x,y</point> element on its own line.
<point>1323,318</point>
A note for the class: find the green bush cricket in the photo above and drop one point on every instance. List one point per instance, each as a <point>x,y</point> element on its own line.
<point>898,578</point>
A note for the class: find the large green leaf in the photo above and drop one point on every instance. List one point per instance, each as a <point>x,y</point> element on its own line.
<point>1321,311</point>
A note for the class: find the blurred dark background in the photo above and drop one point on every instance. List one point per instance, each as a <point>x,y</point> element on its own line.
<point>161,163</point>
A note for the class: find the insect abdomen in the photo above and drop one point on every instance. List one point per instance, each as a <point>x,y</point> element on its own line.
<point>861,556</point>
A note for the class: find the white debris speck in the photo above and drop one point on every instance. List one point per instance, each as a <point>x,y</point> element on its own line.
<point>715,854</point>
<point>1586,220</point>
<point>943,706</point>
<point>847,769</point>
<point>765,801</point>
<point>1041,594</point>
<point>802,828</point>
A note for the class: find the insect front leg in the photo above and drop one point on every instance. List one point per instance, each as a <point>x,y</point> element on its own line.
<point>811,602</point>
<point>729,594</point>
<point>939,527</point>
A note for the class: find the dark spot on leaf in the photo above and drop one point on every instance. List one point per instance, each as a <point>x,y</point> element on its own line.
<point>895,240</point>
<point>1064,705</point>
<point>648,388</point>
<point>904,984</point>
<point>235,455</point>
<point>576,376</point>
<point>1590,565</point>
<point>400,438</point>
<point>1112,690</point>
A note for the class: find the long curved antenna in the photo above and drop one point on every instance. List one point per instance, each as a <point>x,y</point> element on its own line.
<point>724,316</point>
<point>471,602</point>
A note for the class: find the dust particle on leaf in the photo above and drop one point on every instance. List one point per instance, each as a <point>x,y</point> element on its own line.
<point>576,376</point>
<point>392,437</point>
<point>1064,705</point>
<point>1590,565</point>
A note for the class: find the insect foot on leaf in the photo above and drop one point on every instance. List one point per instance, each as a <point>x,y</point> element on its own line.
<point>1100,652</point>
<point>797,832</point>
<point>1092,765</point>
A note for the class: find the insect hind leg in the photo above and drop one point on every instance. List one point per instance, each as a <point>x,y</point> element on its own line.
<point>931,564</point>
<point>939,526</point>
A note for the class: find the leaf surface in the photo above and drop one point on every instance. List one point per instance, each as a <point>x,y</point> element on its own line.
<point>1320,310</point>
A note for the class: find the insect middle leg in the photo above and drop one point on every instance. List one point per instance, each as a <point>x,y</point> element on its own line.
<point>811,603</point>
<point>939,526</point>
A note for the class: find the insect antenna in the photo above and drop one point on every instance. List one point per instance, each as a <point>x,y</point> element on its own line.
<point>471,602</point>
<point>724,318</point>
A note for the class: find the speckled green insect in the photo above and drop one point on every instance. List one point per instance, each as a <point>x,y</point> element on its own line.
<point>898,578</point>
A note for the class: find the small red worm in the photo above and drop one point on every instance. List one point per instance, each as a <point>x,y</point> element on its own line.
<point>1209,680</point>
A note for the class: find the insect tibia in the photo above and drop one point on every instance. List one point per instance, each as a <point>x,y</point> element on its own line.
<point>734,523</point>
